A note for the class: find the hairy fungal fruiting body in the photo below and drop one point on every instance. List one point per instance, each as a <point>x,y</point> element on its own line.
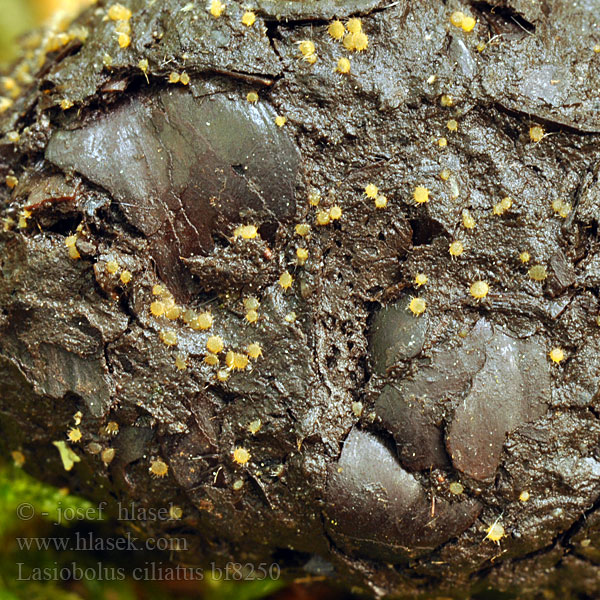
<point>456,248</point>
<point>420,279</point>
<point>343,65</point>
<point>248,18</point>
<point>538,273</point>
<point>503,206</point>
<point>354,25</point>
<point>241,456</point>
<point>254,350</point>
<point>214,344</point>
<point>216,8</point>
<point>356,42</point>
<point>381,201</point>
<point>557,355</point>
<point>286,280</point>
<point>479,289</point>
<point>417,306</point>
<point>467,219</point>
<point>74,435</point>
<point>421,194</point>
<point>536,133</point>
<point>371,190</point>
<point>462,21</point>
<point>495,532</point>
<point>308,51</point>
<point>336,30</point>
<point>158,468</point>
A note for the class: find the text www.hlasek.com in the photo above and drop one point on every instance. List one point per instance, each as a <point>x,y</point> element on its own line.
<point>90,543</point>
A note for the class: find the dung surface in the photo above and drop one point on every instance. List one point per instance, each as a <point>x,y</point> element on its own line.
<point>153,209</point>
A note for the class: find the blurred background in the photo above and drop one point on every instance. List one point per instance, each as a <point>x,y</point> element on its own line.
<point>31,574</point>
<point>20,16</point>
<point>17,17</point>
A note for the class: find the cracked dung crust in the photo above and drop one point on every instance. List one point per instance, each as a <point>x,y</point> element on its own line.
<point>380,446</point>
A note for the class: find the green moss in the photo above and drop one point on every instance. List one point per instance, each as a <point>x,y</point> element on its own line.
<point>16,19</point>
<point>17,488</point>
